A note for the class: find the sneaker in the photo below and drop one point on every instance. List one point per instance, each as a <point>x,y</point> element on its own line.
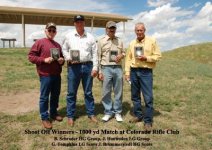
<point>118,117</point>
<point>106,117</point>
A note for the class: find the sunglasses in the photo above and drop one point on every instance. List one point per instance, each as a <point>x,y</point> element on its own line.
<point>112,28</point>
<point>51,30</point>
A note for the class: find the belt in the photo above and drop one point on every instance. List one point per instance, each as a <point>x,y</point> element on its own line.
<point>112,66</point>
<point>140,68</point>
<point>81,63</point>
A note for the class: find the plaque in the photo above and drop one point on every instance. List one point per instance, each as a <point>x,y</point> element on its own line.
<point>55,54</point>
<point>138,51</point>
<point>75,55</point>
<point>112,56</point>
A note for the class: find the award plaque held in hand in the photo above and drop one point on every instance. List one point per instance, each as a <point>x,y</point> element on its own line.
<point>75,55</point>
<point>138,51</point>
<point>112,56</point>
<point>55,54</point>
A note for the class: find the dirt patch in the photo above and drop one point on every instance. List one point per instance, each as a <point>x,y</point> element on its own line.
<point>19,103</point>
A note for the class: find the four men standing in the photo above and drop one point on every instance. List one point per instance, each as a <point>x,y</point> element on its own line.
<point>85,61</point>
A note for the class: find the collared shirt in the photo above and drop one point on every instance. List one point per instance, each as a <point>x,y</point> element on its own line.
<point>150,49</point>
<point>105,46</point>
<point>86,44</point>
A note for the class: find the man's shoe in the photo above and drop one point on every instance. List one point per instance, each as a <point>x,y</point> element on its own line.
<point>148,126</point>
<point>93,119</point>
<point>58,118</point>
<point>106,118</point>
<point>47,124</point>
<point>118,117</point>
<point>135,120</point>
<point>70,122</point>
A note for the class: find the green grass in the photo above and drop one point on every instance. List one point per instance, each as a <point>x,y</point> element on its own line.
<point>16,73</point>
<point>182,101</point>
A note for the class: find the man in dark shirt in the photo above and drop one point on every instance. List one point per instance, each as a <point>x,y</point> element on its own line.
<point>46,54</point>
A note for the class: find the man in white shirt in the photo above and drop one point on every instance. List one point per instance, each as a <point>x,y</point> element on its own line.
<point>80,51</point>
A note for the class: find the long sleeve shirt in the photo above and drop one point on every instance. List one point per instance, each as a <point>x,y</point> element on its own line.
<point>105,46</point>
<point>150,50</point>
<point>86,44</point>
<point>41,50</point>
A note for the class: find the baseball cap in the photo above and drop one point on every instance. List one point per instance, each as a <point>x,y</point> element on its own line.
<point>110,24</point>
<point>79,18</point>
<point>50,24</point>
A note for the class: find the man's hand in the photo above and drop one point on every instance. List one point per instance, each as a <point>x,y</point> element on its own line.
<point>60,60</point>
<point>118,58</point>
<point>73,62</point>
<point>127,77</point>
<point>142,58</point>
<point>101,77</point>
<point>94,73</point>
<point>48,60</point>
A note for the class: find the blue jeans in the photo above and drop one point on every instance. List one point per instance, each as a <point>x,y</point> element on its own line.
<point>113,79</point>
<point>142,81</point>
<point>49,87</point>
<point>76,73</point>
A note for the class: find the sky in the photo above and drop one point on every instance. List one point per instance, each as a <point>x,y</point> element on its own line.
<point>174,23</point>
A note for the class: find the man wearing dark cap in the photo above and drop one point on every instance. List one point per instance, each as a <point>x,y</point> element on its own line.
<point>111,53</point>
<point>80,51</point>
<point>79,18</point>
<point>47,55</point>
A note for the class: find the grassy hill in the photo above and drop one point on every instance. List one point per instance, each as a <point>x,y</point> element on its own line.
<point>201,53</point>
<point>182,101</point>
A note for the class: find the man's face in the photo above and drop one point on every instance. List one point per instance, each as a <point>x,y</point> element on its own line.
<point>50,33</point>
<point>140,31</point>
<point>111,31</point>
<point>79,25</point>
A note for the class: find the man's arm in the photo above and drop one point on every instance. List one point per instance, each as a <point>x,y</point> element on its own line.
<point>66,48</point>
<point>34,54</point>
<point>122,55</point>
<point>156,54</point>
<point>128,61</point>
<point>94,55</point>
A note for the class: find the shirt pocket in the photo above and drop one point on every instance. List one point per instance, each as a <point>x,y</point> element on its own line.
<point>148,50</point>
<point>87,46</point>
<point>105,47</point>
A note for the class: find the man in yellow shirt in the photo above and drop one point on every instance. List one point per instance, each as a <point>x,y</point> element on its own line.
<point>141,58</point>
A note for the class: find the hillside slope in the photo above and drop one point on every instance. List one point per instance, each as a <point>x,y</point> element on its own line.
<point>182,86</point>
<point>201,53</point>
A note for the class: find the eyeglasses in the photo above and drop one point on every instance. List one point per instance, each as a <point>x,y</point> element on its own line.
<point>51,30</point>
